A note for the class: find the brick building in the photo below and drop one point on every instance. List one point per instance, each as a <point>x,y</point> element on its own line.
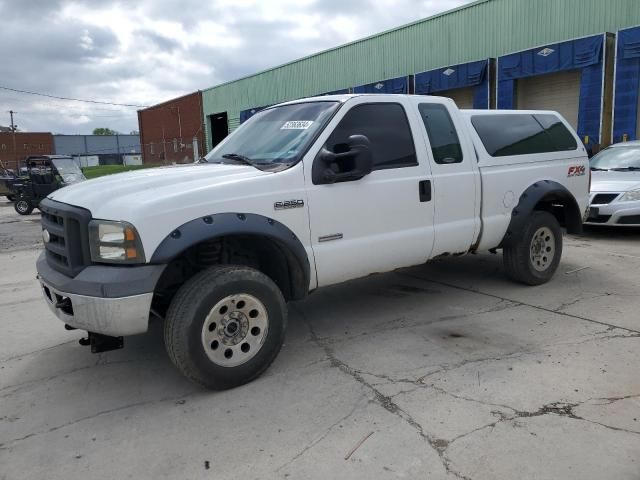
<point>26,143</point>
<point>172,132</point>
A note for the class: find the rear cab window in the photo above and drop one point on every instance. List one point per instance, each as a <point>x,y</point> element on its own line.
<point>443,137</point>
<point>523,134</point>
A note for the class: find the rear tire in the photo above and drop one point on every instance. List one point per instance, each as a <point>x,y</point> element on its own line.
<point>225,326</point>
<point>23,206</point>
<point>534,259</point>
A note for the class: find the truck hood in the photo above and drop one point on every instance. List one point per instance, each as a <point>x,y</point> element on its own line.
<point>124,192</point>
<point>614,181</point>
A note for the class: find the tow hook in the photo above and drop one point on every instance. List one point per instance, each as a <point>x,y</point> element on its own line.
<point>101,343</point>
<point>64,303</point>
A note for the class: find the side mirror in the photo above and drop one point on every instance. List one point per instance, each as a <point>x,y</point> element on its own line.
<point>352,161</point>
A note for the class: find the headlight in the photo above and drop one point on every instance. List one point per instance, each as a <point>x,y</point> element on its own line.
<point>114,242</point>
<point>631,196</point>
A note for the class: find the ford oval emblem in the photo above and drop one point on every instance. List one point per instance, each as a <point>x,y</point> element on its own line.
<point>45,236</point>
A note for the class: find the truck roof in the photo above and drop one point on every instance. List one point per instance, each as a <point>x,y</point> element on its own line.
<point>471,113</point>
<point>344,97</point>
<point>468,112</point>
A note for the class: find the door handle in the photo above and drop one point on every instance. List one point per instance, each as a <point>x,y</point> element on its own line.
<point>424,187</point>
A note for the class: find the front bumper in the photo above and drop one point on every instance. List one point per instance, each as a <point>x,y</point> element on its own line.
<point>95,299</point>
<point>617,214</point>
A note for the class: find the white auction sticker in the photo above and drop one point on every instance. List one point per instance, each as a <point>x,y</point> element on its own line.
<point>297,125</point>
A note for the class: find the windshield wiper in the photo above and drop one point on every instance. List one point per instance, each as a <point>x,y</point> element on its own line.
<point>240,158</point>
<point>626,169</point>
<point>596,169</point>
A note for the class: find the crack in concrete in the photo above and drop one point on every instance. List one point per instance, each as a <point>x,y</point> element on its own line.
<point>11,443</point>
<point>519,303</point>
<point>438,445</point>
<point>404,322</point>
<point>561,409</point>
<point>317,440</point>
<point>464,363</point>
<point>23,355</point>
<point>581,298</point>
<point>18,386</point>
<point>441,445</point>
<point>19,302</point>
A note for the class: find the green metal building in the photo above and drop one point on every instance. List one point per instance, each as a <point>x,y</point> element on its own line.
<point>492,53</point>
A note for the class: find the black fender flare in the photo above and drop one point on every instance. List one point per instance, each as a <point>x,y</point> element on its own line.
<point>545,192</point>
<point>219,225</point>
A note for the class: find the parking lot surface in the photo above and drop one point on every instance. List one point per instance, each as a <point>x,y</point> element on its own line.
<point>443,371</point>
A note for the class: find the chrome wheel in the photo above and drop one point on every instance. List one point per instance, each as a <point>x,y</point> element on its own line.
<point>543,249</point>
<point>22,206</point>
<point>235,330</point>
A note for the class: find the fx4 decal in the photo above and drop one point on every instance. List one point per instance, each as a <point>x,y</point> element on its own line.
<point>577,171</point>
<point>287,204</point>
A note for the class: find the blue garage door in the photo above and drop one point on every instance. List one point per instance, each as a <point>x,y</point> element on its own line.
<point>626,125</point>
<point>584,54</point>
<point>445,82</point>
<point>393,85</point>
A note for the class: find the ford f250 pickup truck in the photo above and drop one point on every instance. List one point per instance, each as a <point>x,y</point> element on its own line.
<point>305,194</point>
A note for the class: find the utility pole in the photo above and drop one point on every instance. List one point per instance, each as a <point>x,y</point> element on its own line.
<point>13,134</point>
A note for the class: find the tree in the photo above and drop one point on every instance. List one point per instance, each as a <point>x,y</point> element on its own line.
<point>134,132</point>
<point>104,131</point>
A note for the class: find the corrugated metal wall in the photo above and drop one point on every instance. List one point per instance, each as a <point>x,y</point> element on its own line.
<point>483,29</point>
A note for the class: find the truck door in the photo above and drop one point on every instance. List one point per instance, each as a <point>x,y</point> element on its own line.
<point>384,220</point>
<point>456,181</point>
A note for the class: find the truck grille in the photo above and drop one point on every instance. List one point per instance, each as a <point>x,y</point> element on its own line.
<point>604,198</point>
<point>68,247</point>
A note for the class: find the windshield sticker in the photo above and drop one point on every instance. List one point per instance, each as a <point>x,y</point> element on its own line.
<point>297,125</point>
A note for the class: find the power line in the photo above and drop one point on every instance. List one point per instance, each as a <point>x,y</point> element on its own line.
<point>72,99</point>
<point>10,98</point>
<point>46,113</point>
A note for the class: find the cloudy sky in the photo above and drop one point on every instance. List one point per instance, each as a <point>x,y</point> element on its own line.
<point>148,51</point>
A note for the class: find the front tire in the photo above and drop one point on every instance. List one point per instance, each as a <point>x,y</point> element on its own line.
<point>534,259</point>
<point>225,326</point>
<point>11,198</point>
<point>23,206</point>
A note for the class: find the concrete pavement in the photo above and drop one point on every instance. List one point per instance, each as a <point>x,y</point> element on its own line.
<point>458,373</point>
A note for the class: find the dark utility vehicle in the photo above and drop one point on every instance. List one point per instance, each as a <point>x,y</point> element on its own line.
<point>7,179</point>
<point>45,173</point>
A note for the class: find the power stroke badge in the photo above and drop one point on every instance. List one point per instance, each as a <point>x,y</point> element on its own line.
<point>288,204</point>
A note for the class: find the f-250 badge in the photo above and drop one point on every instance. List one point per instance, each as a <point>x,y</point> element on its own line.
<point>577,171</point>
<point>287,204</point>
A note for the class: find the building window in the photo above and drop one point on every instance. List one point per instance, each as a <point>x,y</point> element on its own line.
<point>175,145</point>
<point>4,146</point>
<point>151,148</point>
<point>25,147</point>
<point>41,147</point>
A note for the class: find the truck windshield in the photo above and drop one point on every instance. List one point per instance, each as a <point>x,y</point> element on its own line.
<point>276,138</point>
<point>617,158</point>
<point>68,170</point>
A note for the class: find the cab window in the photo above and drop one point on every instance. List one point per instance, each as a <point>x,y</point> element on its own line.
<point>445,144</point>
<point>387,128</point>
<point>523,134</point>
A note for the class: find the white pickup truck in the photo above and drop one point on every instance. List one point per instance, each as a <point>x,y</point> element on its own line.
<point>304,195</point>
